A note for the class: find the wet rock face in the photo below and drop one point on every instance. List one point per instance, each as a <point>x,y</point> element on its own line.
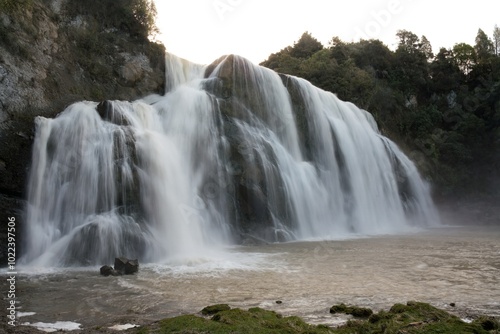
<point>50,57</point>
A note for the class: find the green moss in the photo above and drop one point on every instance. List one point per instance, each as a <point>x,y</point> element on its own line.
<point>11,6</point>
<point>213,309</point>
<point>411,318</point>
<point>487,323</point>
<point>255,320</point>
<point>353,310</point>
<point>340,308</point>
<point>414,317</point>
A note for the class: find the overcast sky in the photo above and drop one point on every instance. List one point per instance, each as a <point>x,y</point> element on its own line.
<point>203,30</point>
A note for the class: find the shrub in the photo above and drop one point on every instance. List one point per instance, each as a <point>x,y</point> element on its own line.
<point>136,17</point>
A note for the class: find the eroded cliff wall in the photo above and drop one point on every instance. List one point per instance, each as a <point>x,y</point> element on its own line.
<point>54,53</point>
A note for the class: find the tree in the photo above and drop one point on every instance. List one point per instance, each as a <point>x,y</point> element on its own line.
<point>283,62</point>
<point>426,48</point>
<point>446,75</point>
<point>411,70</point>
<point>306,46</point>
<point>465,57</point>
<point>137,17</point>
<point>496,39</point>
<point>373,56</point>
<point>339,50</point>
<point>408,41</point>
<point>483,47</point>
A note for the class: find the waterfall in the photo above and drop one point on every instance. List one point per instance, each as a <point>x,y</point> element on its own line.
<point>232,152</point>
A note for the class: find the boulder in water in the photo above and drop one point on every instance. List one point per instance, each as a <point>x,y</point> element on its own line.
<point>108,271</point>
<point>126,266</point>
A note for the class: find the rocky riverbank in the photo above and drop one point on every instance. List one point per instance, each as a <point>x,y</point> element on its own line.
<point>412,317</point>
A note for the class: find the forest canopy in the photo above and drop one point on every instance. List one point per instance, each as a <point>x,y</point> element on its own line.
<point>443,109</point>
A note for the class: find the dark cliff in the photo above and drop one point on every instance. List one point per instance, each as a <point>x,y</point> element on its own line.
<point>56,52</point>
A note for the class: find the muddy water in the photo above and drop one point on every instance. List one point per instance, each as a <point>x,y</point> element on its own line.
<point>441,266</point>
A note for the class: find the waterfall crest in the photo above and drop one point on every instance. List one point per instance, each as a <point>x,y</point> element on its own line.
<point>232,152</point>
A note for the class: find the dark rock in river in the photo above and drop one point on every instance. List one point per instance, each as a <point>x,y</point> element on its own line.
<point>108,271</point>
<point>125,266</point>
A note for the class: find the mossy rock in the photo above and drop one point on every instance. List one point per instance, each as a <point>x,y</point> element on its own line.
<point>352,310</point>
<point>213,309</point>
<point>340,308</point>
<point>412,318</point>
<point>254,320</point>
<point>378,317</point>
<point>487,323</point>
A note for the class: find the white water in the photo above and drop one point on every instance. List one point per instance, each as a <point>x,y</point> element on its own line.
<point>242,152</point>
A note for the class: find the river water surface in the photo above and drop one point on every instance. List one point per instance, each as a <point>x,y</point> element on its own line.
<point>440,266</point>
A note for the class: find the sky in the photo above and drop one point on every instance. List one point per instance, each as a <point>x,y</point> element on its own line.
<point>203,30</point>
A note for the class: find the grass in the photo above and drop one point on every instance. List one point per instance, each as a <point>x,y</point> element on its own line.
<point>255,320</point>
<point>414,317</point>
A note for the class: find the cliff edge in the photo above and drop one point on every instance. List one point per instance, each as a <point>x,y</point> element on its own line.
<point>54,53</point>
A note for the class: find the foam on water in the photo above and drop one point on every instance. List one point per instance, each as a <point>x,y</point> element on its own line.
<point>217,263</point>
<point>122,327</point>
<point>54,327</point>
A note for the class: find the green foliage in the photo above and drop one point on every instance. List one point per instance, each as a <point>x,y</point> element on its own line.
<point>374,57</point>
<point>213,309</point>
<point>410,72</point>
<point>487,323</point>
<point>135,17</point>
<point>109,24</point>
<point>11,6</point>
<point>408,41</point>
<point>352,310</point>
<point>445,73</point>
<point>443,109</point>
<point>484,46</point>
<point>412,318</point>
<point>306,46</point>
<point>255,320</point>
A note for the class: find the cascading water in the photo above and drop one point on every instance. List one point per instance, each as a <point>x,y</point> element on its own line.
<point>233,152</point>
